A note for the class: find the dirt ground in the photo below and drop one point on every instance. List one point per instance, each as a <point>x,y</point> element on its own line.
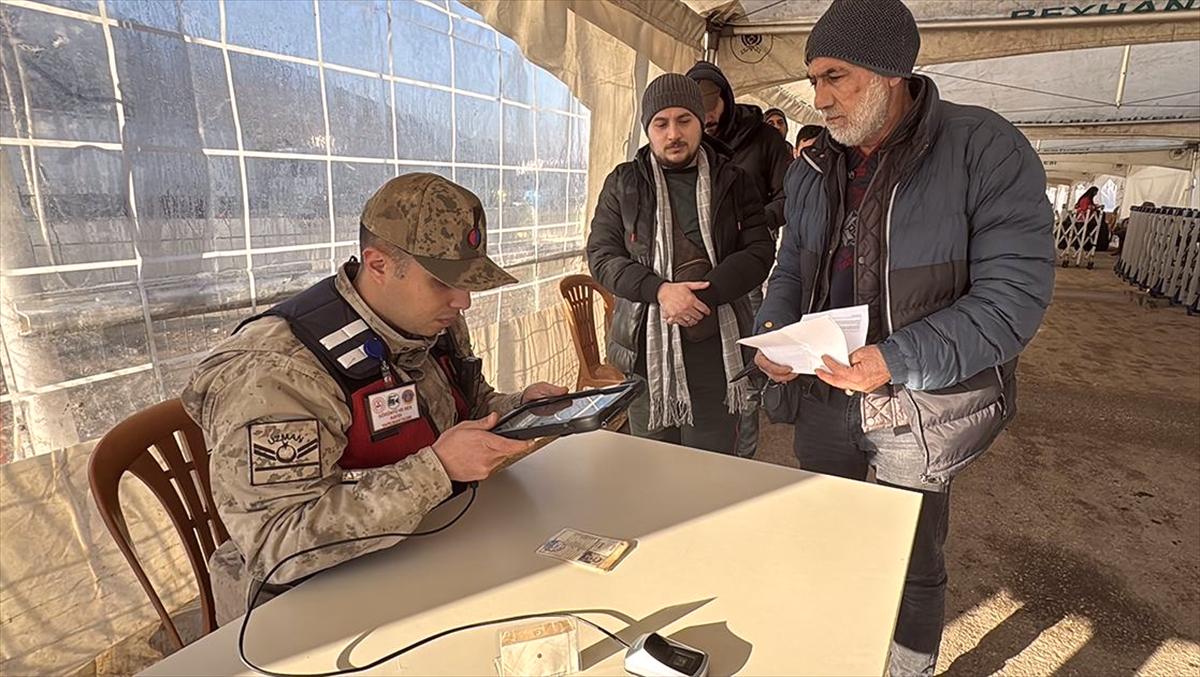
<point>1074,543</point>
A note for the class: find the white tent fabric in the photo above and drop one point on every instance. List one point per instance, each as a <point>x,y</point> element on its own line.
<point>1160,185</point>
<point>1085,78</point>
<point>758,55</point>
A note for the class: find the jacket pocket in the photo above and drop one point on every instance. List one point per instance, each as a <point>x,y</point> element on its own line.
<point>958,423</point>
<point>781,401</point>
<point>623,336</point>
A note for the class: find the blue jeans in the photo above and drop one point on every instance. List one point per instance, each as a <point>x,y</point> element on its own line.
<point>829,439</point>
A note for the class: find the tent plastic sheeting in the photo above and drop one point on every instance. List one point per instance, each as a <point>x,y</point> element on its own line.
<point>1112,71</point>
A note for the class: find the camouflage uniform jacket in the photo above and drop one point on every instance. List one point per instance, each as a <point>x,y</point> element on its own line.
<point>262,384</point>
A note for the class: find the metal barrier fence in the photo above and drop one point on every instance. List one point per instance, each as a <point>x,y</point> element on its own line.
<point>1076,237</point>
<point>1160,253</point>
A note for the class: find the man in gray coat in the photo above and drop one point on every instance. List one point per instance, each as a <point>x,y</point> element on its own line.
<point>934,216</point>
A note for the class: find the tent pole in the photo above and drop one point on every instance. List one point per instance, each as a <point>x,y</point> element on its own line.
<point>712,36</point>
<point>1124,74</point>
<point>1194,185</point>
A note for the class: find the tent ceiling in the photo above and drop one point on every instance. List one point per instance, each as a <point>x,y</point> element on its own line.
<point>766,46</point>
<point>1162,83</point>
<point>1065,94</point>
<point>1051,66</point>
<point>808,11</point>
<point>1057,69</point>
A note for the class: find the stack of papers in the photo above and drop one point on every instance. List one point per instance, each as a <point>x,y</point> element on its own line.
<point>835,333</point>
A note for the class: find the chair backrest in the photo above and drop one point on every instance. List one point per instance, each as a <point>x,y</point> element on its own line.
<point>579,293</point>
<point>164,448</point>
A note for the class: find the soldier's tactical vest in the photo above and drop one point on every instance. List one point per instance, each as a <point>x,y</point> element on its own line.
<point>344,344</point>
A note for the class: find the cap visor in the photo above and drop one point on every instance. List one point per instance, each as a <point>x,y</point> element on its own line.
<point>478,274</point>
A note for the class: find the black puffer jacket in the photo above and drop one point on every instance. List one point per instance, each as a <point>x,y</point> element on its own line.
<point>754,146</point>
<point>621,247</point>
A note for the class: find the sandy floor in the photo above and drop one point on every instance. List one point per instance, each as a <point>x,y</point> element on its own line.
<point>1075,542</point>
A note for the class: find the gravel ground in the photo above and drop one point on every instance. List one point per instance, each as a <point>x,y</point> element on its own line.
<point>1074,543</point>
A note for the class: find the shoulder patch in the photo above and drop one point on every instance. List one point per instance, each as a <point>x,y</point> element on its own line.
<point>285,451</point>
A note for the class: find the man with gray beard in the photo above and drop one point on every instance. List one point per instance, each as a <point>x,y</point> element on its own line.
<point>934,216</point>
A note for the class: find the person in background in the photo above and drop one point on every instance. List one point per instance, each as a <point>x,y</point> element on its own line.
<point>679,238</point>
<point>760,151</point>
<point>778,120</point>
<point>807,136</point>
<point>935,217</point>
<point>1123,226</point>
<point>1088,207</point>
<point>755,146</point>
<point>1087,201</point>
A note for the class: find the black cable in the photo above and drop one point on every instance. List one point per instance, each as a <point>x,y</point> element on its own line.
<point>252,599</point>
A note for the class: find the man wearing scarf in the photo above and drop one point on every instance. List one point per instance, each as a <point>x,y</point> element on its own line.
<point>680,237</point>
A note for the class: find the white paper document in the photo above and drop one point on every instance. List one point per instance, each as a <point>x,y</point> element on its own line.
<point>836,333</point>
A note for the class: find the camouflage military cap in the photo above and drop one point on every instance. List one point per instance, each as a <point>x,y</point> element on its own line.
<point>441,224</point>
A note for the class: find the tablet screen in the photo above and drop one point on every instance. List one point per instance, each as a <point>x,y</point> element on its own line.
<point>559,412</point>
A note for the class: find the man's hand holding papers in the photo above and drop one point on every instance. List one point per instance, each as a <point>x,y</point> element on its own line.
<point>829,345</point>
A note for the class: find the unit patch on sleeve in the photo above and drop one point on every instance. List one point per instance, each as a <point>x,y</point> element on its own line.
<point>285,451</point>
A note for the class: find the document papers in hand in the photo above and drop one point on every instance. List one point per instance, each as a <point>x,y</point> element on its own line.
<point>836,333</point>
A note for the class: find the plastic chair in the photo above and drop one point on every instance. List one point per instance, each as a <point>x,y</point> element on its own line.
<point>147,445</point>
<point>579,292</point>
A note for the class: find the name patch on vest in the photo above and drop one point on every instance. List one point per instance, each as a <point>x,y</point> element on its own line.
<point>392,408</point>
<point>285,451</point>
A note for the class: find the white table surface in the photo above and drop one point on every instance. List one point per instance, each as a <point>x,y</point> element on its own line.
<point>768,569</point>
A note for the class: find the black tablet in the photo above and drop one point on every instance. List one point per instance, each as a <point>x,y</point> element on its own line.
<point>579,412</point>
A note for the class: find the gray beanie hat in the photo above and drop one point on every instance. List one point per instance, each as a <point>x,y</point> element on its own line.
<point>879,35</point>
<point>668,90</point>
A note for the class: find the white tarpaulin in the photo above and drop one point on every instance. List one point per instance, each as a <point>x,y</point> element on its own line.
<point>1162,186</point>
<point>1058,70</point>
<point>1106,71</point>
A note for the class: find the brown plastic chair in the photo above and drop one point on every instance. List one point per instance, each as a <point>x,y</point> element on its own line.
<point>579,293</point>
<point>147,445</point>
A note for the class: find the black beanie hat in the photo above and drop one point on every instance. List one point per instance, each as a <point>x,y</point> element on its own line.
<point>705,72</point>
<point>669,90</point>
<point>879,35</point>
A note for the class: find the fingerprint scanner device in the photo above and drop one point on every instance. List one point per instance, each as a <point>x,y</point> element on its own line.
<point>579,412</point>
<point>653,655</point>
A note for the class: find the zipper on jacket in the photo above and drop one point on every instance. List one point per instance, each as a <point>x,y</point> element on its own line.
<point>811,163</point>
<point>887,264</point>
<point>918,431</point>
<point>1003,400</point>
<point>887,246</point>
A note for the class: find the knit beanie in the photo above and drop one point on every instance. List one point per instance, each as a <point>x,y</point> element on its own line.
<point>670,90</point>
<point>714,84</point>
<point>879,35</point>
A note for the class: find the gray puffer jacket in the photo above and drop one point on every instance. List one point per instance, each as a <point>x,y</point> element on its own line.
<point>965,262</point>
